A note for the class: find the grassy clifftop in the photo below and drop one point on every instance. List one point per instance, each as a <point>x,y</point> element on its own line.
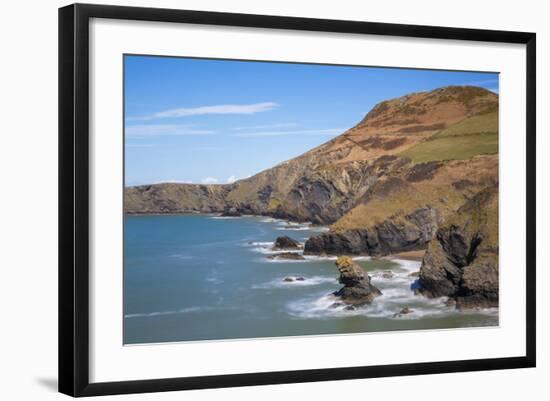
<point>472,136</point>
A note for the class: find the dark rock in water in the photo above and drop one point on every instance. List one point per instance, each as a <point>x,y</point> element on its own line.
<point>462,260</point>
<point>286,256</point>
<point>231,212</point>
<point>336,305</point>
<point>383,239</point>
<point>351,242</point>
<point>286,242</point>
<point>357,288</point>
<point>292,279</point>
<point>349,307</point>
<point>404,311</point>
<point>358,295</point>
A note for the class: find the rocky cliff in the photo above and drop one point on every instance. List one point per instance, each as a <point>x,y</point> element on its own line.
<point>461,261</point>
<point>413,174</point>
<point>322,185</point>
<point>175,198</point>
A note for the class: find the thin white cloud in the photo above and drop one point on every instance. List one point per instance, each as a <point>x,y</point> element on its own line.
<point>210,180</point>
<point>268,126</point>
<point>232,179</point>
<point>309,132</point>
<point>173,181</point>
<point>215,109</point>
<point>164,129</point>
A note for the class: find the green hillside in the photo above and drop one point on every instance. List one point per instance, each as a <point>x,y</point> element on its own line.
<point>470,137</point>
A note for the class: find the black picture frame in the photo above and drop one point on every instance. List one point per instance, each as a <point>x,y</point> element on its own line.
<point>74,200</point>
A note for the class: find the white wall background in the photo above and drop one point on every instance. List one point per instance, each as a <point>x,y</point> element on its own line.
<point>28,199</point>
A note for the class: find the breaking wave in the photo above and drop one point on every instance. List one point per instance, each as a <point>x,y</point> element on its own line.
<point>191,309</point>
<point>280,282</point>
<point>267,248</point>
<point>396,295</point>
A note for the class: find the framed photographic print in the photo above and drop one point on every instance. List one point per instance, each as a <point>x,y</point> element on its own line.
<point>250,199</point>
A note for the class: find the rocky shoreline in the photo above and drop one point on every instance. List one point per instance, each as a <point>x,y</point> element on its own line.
<point>389,237</point>
<point>449,270</point>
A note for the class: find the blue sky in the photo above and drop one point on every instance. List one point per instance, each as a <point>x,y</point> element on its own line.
<point>215,121</point>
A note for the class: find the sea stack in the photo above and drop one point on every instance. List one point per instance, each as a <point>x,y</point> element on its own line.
<point>357,289</point>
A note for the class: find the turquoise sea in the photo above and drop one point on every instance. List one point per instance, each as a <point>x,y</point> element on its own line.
<point>203,277</point>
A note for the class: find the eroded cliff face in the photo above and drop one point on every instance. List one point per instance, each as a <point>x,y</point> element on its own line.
<point>406,233</point>
<point>316,194</point>
<point>461,261</point>
<point>175,198</point>
<point>402,211</point>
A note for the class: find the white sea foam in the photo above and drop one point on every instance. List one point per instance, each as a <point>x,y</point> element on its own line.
<point>280,282</point>
<point>293,226</point>
<point>384,306</point>
<point>270,251</point>
<point>271,220</point>
<point>267,248</point>
<point>181,256</point>
<point>307,258</point>
<point>191,309</point>
<point>408,266</point>
<point>283,225</point>
<point>317,258</point>
<point>289,225</point>
<point>396,295</point>
<point>320,307</point>
<point>286,228</point>
<point>282,260</point>
<point>214,280</point>
<point>262,244</point>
